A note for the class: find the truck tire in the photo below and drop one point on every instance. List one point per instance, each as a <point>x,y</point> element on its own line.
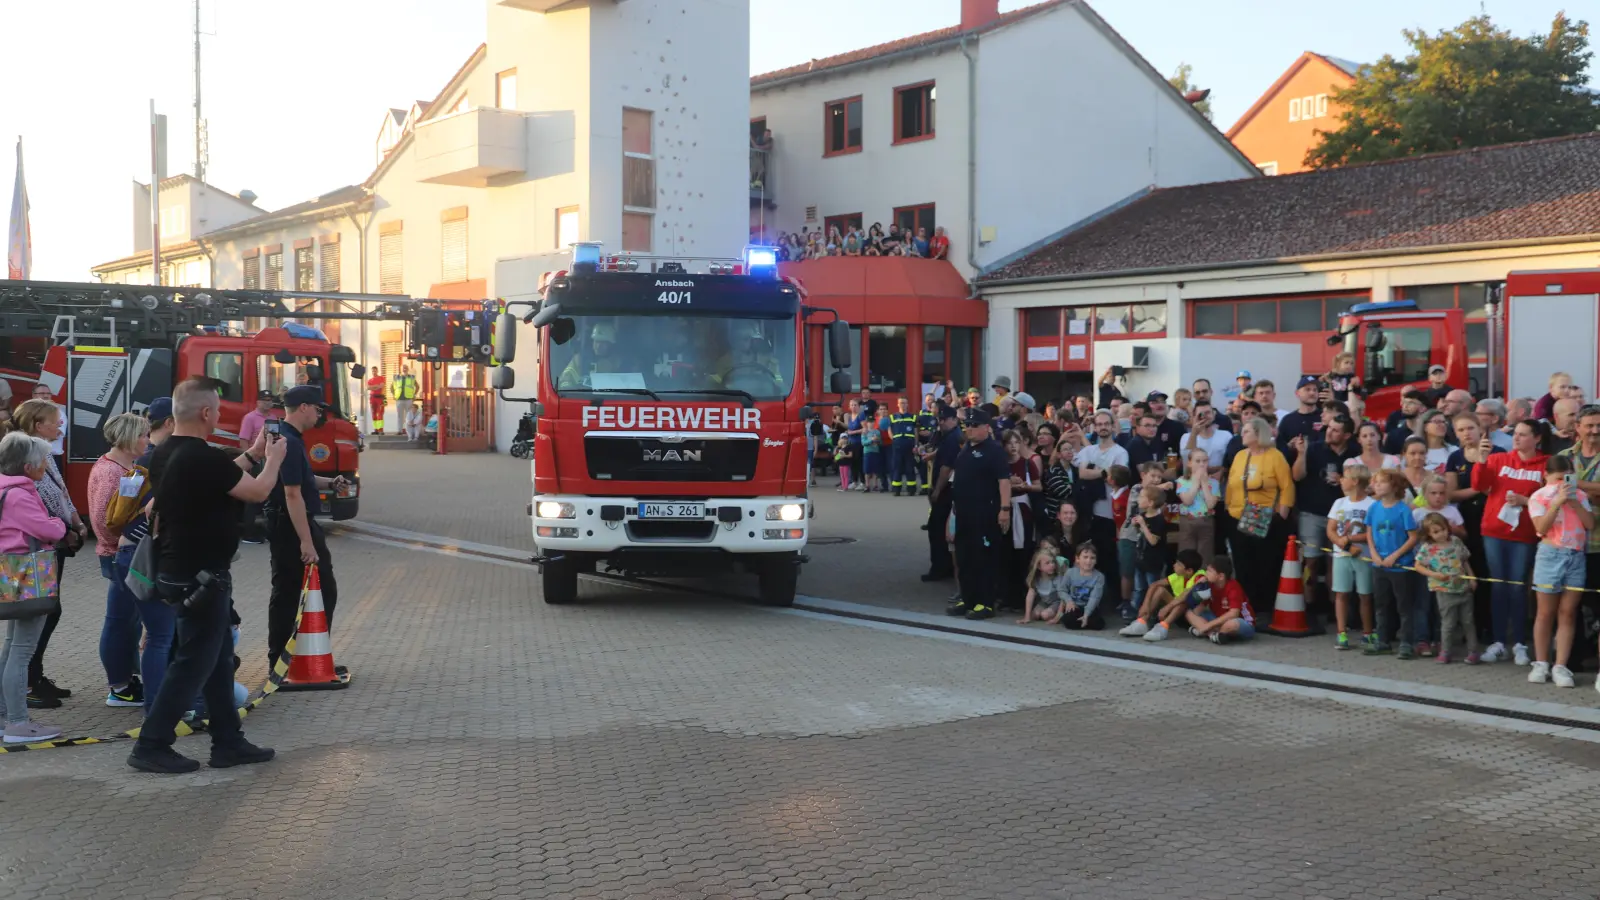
<point>560,582</point>
<point>779,577</point>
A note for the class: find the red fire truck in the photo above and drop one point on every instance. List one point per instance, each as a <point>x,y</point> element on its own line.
<point>1538,323</point>
<point>671,411</point>
<point>105,349</point>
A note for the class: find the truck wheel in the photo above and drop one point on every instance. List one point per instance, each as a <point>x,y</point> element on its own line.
<point>560,583</point>
<point>779,577</point>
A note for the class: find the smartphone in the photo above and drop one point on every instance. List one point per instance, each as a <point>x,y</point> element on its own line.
<point>272,427</point>
<point>1572,481</point>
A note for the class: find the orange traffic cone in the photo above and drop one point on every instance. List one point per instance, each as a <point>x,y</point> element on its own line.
<point>1289,612</point>
<point>311,667</point>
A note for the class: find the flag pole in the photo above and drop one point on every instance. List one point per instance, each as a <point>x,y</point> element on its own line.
<point>155,199</point>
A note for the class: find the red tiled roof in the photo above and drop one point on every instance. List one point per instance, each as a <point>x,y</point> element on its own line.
<point>1536,189</point>
<point>914,42</point>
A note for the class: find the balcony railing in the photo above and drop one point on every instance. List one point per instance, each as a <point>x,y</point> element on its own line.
<point>761,176</point>
<point>469,148</point>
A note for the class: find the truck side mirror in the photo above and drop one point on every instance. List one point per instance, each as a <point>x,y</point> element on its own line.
<point>502,378</point>
<point>505,338</point>
<point>839,382</point>
<point>547,313</point>
<point>1376,339</point>
<point>839,345</point>
<point>358,371</point>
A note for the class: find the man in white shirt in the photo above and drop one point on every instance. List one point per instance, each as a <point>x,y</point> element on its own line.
<point>1267,396</point>
<point>1204,436</point>
<point>1091,463</point>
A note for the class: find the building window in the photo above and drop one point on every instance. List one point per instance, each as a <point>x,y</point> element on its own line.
<point>331,262</point>
<point>391,259</point>
<point>566,227</point>
<point>1258,318</point>
<point>636,232</point>
<point>1286,315</point>
<point>305,269</point>
<point>1147,319</point>
<point>886,358</point>
<point>1268,168</point>
<point>1044,322</point>
<point>252,273</point>
<point>842,130</point>
<point>505,89</point>
<point>638,160</point>
<point>274,274</point>
<point>911,218</point>
<point>1304,109</point>
<point>453,248</point>
<point>843,222</point>
<point>1213,318</point>
<point>947,355</point>
<point>913,112</point>
<point>227,369</point>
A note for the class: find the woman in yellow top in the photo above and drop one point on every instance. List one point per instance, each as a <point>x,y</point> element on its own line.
<point>1260,477</point>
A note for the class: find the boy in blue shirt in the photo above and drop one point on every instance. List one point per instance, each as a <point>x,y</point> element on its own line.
<point>1391,542</point>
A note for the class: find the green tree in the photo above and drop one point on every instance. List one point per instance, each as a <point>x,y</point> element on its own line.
<point>1180,80</point>
<point>1473,86</point>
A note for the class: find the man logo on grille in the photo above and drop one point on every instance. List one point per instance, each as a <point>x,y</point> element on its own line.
<point>673,455</point>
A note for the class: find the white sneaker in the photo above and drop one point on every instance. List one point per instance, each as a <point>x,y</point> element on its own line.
<point>1158,633</point>
<point>1562,676</point>
<point>1521,653</point>
<point>1540,673</point>
<point>1496,652</point>
<point>1136,628</point>
<point>30,733</point>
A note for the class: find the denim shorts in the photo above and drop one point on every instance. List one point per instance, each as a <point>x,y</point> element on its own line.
<point>1556,569</point>
<point>1352,573</point>
<point>1126,554</point>
<point>1246,629</point>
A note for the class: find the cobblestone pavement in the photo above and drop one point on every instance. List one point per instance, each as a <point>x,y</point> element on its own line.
<point>880,563</point>
<point>667,746</point>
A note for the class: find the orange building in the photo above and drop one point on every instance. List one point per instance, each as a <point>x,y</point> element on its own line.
<point>1278,130</point>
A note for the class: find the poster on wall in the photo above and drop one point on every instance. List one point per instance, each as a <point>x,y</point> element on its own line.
<point>1044,354</point>
<point>1078,352</point>
<point>1078,326</point>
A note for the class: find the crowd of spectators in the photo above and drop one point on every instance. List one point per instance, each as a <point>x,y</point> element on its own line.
<point>852,240</point>
<point>1455,529</point>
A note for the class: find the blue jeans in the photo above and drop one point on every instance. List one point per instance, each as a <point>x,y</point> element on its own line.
<point>1508,603</point>
<point>159,621</point>
<point>119,635</point>
<point>22,635</point>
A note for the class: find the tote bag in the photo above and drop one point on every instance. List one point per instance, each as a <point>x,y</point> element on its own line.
<point>30,583</point>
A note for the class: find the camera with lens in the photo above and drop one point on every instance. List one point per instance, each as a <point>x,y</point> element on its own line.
<point>194,594</point>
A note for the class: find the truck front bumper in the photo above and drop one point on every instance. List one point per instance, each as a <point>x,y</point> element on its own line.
<point>603,525</point>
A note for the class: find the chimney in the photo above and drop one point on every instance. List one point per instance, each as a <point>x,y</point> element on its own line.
<point>978,13</point>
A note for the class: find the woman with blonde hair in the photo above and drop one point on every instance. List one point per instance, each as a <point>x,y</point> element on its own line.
<point>42,419</point>
<point>1260,495</point>
<point>114,477</point>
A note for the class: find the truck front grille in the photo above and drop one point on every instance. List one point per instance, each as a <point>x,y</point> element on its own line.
<point>652,459</point>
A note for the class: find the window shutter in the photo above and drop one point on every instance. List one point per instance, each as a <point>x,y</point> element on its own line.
<point>390,263</point>
<point>252,273</point>
<point>275,271</point>
<point>638,182</point>
<point>453,238</point>
<point>330,266</point>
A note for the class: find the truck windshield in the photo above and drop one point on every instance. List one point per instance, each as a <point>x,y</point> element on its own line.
<point>682,354</point>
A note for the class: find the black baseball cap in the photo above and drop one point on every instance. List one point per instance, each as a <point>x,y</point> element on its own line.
<point>266,395</point>
<point>1155,395</point>
<point>301,394</point>
<point>946,411</point>
<point>978,416</point>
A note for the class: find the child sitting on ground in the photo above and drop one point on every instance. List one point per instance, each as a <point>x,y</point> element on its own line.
<point>1162,603</point>
<point>1445,562</point>
<point>1044,586</point>
<point>1082,588</point>
<point>1228,616</point>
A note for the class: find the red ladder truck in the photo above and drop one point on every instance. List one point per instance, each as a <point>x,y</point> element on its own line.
<point>105,349</point>
<point>671,419</point>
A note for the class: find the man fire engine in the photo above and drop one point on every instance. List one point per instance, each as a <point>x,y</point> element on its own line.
<point>671,433</point>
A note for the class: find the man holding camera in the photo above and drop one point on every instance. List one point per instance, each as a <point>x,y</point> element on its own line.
<point>196,528</point>
<point>295,537</point>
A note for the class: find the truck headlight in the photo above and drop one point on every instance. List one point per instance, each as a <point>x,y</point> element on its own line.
<point>550,509</point>
<point>785,512</point>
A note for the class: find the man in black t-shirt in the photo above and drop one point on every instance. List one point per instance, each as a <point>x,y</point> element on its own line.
<point>981,496</point>
<point>940,565</point>
<point>295,538</point>
<point>1305,420</point>
<point>1318,467</point>
<point>196,510</point>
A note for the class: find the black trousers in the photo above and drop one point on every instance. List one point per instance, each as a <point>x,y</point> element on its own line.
<point>1257,563</point>
<point>978,556</point>
<point>1103,534</point>
<point>202,661</point>
<point>938,522</point>
<point>288,577</point>
<point>36,663</point>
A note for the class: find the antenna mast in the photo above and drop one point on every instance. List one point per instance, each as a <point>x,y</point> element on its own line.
<point>199,123</point>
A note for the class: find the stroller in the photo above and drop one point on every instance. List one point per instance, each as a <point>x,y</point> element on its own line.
<point>522,443</point>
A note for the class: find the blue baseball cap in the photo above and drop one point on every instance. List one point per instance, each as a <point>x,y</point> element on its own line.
<point>301,394</point>
<point>159,410</point>
<point>1243,373</point>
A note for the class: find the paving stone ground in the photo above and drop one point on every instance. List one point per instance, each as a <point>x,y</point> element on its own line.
<point>683,746</point>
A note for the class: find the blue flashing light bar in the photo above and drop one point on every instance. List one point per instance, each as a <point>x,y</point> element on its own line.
<point>761,261</point>
<point>1387,306</point>
<point>304,332</point>
<point>585,256</point>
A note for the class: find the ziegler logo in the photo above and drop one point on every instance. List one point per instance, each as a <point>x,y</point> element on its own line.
<point>673,455</point>
<point>769,442</point>
<point>675,284</point>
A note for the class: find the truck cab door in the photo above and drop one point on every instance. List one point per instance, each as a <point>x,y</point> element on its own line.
<point>1393,356</point>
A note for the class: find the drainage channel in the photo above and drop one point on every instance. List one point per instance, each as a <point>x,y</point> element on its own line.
<point>506,554</point>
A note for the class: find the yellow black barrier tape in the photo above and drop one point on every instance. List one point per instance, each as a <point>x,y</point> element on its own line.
<point>1541,588</point>
<point>280,671</point>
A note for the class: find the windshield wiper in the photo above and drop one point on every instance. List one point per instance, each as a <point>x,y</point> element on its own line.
<point>645,391</point>
<point>749,398</point>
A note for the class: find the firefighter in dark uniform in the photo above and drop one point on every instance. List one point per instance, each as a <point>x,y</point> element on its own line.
<point>940,565</point>
<point>295,538</point>
<point>927,433</point>
<point>981,486</point>
<point>903,450</point>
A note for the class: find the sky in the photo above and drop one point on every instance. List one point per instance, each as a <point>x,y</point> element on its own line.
<point>294,99</point>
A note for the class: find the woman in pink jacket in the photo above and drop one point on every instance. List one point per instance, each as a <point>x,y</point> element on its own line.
<point>23,461</point>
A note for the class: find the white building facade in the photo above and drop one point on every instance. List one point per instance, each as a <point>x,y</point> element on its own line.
<point>1005,130</point>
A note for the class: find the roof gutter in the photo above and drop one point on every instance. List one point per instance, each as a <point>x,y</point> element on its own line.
<point>938,46</point>
<point>1292,260</point>
<point>321,212</point>
<point>972,160</point>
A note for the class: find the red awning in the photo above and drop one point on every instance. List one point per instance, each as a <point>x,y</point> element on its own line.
<point>890,290</point>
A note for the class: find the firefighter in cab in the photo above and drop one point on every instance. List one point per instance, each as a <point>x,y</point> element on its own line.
<point>602,357</point>
<point>748,359</point>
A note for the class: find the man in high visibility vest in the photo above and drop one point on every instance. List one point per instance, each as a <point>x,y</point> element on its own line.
<point>377,396</point>
<point>903,458</point>
<point>405,392</point>
<point>927,431</point>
